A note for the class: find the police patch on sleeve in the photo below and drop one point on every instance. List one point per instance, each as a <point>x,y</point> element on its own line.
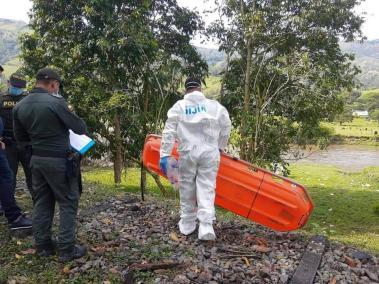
<point>57,95</point>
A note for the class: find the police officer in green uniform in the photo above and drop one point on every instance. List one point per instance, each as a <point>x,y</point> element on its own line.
<point>16,152</point>
<point>44,118</point>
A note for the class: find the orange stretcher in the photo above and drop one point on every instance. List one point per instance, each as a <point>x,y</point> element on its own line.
<point>249,191</point>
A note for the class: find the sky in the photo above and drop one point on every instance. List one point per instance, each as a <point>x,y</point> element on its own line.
<point>18,10</point>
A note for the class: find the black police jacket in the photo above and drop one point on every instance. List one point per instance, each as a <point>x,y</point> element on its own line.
<point>7,103</point>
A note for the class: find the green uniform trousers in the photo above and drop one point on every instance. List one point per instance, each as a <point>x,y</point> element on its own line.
<point>51,185</point>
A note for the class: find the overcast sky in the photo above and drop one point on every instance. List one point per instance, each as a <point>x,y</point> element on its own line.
<point>18,10</point>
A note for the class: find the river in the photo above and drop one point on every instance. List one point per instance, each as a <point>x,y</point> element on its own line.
<point>345,157</point>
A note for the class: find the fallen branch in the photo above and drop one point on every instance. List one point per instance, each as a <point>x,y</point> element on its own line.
<point>234,251</point>
<point>158,182</point>
<point>238,255</point>
<point>155,266</point>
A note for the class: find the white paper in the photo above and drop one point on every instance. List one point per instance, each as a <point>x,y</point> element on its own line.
<point>80,143</point>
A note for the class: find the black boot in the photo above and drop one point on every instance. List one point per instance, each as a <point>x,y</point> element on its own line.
<point>21,223</point>
<point>77,252</point>
<point>47,250</point>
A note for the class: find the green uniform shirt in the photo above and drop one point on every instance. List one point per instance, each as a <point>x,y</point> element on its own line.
<point>44,119</point>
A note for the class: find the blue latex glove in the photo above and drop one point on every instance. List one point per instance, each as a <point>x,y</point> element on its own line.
<point>163,164</point>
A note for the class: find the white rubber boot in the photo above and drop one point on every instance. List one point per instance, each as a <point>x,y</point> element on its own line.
<point>206,232</point>
<point>187,228</point>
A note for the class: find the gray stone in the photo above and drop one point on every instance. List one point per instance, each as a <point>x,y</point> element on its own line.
<point>360,255</point>
<point>181,279</point>
<point>372,276</point>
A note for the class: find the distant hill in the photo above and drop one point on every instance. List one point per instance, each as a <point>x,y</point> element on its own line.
<point>367,58</point>
<point>9,33</point>
<point>214,58</point>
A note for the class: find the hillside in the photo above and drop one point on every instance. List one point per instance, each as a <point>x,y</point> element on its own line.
<point>9,32</point>
<point>367,58</point>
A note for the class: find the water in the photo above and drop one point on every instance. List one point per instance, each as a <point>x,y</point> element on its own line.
<point>345,157</point>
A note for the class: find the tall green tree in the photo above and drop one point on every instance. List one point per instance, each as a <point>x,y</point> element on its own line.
<point>286,70</point>
<point>122,62</point>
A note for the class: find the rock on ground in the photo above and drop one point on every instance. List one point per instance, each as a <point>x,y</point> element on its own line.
<point>123,232</point>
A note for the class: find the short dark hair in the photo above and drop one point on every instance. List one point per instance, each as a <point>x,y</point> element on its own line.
<point>192,83</point>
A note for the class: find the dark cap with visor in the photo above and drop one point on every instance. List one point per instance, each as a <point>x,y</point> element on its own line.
<point>48,74</point>
<point>192,82</point>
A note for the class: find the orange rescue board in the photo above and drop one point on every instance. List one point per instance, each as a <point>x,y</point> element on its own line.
<point>251,192</point>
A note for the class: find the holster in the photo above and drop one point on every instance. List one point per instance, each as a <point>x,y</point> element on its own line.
<point>73,171</point>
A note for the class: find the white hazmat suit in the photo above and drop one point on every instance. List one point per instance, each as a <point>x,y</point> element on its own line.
<point>202,127</point>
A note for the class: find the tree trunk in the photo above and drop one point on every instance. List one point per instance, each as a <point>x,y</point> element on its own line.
<point>222,89</point>
<point>145,106</point>
<point>143,181</point>
<point>118,161</point>
<point>246,100</point>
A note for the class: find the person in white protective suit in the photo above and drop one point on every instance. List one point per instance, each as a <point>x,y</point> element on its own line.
<point>202,128</point>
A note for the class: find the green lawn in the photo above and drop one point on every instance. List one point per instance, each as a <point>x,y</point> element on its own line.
<point>359,127</point>
<point>344,202</point>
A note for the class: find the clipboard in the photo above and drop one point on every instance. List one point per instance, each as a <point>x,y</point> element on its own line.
<point>81,143</point>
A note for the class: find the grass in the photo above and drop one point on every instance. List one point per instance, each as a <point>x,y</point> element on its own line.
<point>345,203</point>
<point>103,178</point>
<point>359,127</point>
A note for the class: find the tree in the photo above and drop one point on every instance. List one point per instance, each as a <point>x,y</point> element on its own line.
<point>287,70</point>
<point>345,116</point>
<point>123,62</point>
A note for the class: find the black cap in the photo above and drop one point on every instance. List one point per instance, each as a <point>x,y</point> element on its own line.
<point>17,80</point>
<point>1,68</point>
<point>48,74</point>
<point>192,82</point>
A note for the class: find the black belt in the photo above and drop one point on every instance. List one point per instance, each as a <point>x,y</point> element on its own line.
<point>50,154</point>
